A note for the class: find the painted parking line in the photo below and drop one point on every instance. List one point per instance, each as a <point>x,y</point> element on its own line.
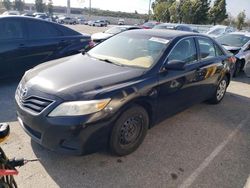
<point>247,185</point>
<point>189,181</point>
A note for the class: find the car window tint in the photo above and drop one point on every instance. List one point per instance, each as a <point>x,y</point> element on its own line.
<point>41,30</point>
<point>185,51</point>
<point>207,49</point>
<point>11,29</point>
<point>219,52</point>
<point>67,31</point>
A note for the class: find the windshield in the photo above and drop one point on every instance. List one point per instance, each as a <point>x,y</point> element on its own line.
<point>218,31</point>
<point>233,40</point>
<point>115,30</point>
<point>130,50</point>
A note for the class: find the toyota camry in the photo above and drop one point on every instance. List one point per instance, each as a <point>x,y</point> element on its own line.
<point>111,95</point>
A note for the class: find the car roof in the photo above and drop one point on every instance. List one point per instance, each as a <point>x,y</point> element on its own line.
<point>247,34</point>
<point>163,33</point>
<point>19,17</point>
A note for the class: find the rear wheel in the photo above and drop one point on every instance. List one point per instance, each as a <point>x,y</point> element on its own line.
<point>220,91</point>
<point>129,131</point>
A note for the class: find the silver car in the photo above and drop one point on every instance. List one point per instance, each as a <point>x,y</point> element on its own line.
<point>239,44</point>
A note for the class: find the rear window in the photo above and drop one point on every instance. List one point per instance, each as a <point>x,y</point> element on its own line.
<point>41,30</point>
<point>11,29</point>
<point>67,31</point>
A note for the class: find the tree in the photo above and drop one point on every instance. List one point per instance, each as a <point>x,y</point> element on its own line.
<point>18,5</point>
<point>241,20</point>
<point>7,4</point>
<point>40,6</point>
<point>218,12</point>
<point>161,10</point>
<point>50,7</point>
<point>187,11</point>
<point>200,11</point>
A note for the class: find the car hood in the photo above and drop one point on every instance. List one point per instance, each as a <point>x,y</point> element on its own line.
<point>99,36</point>
<point>78,75</point>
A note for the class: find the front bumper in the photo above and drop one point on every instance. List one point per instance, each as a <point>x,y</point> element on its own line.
<point>73,135</point>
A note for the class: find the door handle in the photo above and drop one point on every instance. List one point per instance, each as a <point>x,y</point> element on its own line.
<point>22,46</point>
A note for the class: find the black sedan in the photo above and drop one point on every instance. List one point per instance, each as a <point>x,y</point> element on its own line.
<point>26,42</point>
<point>112,95</point>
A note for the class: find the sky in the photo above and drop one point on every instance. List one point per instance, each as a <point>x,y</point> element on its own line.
<point>141,6</point>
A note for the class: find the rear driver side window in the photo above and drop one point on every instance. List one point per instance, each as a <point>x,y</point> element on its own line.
<point>41,30</point>
<point>11,29</point>
<point>207,49</point>
<point>185,51</point>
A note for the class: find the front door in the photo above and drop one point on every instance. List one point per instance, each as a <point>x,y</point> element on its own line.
<point>178,88</point>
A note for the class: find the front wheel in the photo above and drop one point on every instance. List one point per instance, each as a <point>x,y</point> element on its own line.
<point>220,91</point>
<point>129,131</point>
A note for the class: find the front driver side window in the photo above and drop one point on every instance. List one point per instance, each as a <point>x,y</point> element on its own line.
<point>185,51</point>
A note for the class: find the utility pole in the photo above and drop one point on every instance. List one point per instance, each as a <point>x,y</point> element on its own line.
<point>149,10</point>
<point>68,7</point>
<point>89,8</point>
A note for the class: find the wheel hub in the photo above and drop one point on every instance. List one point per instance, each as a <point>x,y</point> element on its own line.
<point>130,130</point>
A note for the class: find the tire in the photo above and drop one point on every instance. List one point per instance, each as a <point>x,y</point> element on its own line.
<point>238,68</point>
<point>220,91</point>
<point>129,131</point>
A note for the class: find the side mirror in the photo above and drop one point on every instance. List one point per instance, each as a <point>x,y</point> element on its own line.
<point>175,65</point>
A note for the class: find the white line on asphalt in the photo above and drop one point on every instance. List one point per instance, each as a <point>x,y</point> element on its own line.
<point>247,185</point>
<point>189,181</point>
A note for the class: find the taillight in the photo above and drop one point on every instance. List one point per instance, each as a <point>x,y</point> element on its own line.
<point>232,59</point>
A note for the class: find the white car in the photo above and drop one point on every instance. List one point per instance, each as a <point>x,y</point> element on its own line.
<point>12,12</point>
<point>67,20</point>
<point>219,30</point>
<point>238,43</point>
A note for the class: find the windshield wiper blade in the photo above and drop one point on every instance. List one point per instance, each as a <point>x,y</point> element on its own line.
<point>225,44</point>
<point>111,62</point>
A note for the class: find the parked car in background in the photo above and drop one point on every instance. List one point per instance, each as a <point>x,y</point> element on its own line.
<point>99,37</point>
<point>67,20</point>
<point>28,14</point>
<point>121,22</point>
<point>91,23</point>
<point>149,25</point>
<point>11,12</point>
<point>39,14</point>
<point>26,42</point>
<point>172,26</point>
<point>219,30</point>
<point>81,20</point>
<point>44,17</point>
<point>239,44</point>
<point>100,23</point>
<point>113,94</point>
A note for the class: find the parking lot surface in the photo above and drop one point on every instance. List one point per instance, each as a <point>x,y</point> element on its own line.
<point>204,146</point>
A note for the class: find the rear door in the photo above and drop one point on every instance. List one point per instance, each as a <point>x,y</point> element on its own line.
<point>212,61</point>
<point>12,42</point>
<point>44,41</point>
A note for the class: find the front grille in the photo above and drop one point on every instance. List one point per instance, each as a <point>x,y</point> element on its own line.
<point>29,102</point>
<point>35,104</point>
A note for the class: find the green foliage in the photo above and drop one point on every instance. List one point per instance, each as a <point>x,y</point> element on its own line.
<point>40,6</point>
<point>7,4</point>
<point>200,10</point>
<point>161,11</point>
<point>218,12</point>
<point>241,20</point>
<point>18,5</point>
<point>99,12</point>
<point>50,7</point>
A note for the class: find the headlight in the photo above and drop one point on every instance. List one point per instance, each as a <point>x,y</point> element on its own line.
<point>77,108</point>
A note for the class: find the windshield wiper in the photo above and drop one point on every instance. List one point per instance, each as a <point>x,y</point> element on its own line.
<point>112,62</point>
<point>225,44</point>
